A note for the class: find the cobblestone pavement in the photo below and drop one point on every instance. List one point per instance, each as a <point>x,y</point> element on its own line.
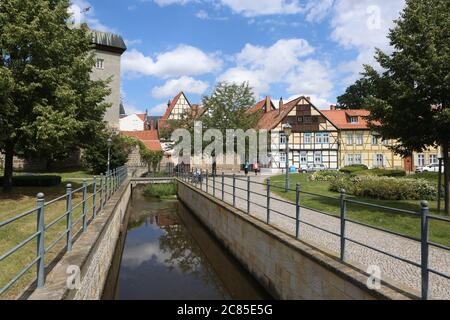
<point>394,271</point>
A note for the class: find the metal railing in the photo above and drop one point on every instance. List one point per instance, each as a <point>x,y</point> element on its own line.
<point>103,188</point>
<point>198,180</point>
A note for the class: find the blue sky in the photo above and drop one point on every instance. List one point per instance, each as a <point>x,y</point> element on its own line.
<point>284,48</point>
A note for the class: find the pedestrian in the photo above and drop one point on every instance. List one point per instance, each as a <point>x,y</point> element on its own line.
<point>214,168</point>
<point>246,168</point>
<point>256,168</point>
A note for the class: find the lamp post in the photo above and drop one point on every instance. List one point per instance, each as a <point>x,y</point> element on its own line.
<point>109,154</point>
<point>287,129</point>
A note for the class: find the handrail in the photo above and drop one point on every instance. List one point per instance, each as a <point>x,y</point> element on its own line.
<point>217,190</point>
<point>104,187</point>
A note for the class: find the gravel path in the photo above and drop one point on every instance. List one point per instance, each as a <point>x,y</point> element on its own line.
<point>394,271</point>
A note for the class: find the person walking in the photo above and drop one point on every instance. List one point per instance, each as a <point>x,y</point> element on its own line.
<point>214,168</point>
<point>246,168</point>
<point>256,168</point>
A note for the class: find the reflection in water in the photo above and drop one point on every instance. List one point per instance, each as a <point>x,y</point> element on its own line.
<point>169,255</point>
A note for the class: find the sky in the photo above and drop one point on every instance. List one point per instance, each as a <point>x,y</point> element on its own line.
<point>283,48</point>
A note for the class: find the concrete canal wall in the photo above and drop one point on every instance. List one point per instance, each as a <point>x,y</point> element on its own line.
<point>287,268</point>
<point>92,253</point>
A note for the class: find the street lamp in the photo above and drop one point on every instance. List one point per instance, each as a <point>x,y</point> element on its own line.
<point>109,154</point>
<point>287,129</point>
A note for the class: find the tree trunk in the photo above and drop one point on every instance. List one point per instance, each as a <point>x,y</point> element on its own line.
<point>445,150</point>
<point>9,160</point>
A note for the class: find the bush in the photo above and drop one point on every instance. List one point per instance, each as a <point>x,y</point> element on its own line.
<point>382,173</point>
<point>168,190</point>
<point>385,188</point>
<point>34,181</point>
<point>327,175</point>
<point>354,168</point>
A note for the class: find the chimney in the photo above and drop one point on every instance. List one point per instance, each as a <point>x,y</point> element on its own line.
<point>280,105</point>
<point>333,107</point>
<point>168,103</point>
<point>308,98</point>
<point>267,105</point>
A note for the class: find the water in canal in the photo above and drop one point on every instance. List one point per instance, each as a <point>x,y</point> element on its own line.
<point>168,254</point>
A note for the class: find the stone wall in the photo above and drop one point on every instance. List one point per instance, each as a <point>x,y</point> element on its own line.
<point>287,268</point>
<point>92,253</point>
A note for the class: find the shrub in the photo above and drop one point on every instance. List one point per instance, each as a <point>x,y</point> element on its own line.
<point>327,175</point>
<point>354,168</point>
<point>385,188</point>
<point>382,172</point>
<point>34,181</point>
<point>167,190</point>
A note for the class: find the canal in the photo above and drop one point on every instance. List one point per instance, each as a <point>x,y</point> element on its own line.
<point>168,254</point>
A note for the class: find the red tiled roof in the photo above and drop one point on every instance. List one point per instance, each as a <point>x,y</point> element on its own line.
<point>142,116</point>
<point>149,138</point>
<point>341,118</point>
<point>271,119</point>
<point>267,102</point>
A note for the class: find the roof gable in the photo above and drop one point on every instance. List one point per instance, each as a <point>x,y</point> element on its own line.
<point>173,103</point>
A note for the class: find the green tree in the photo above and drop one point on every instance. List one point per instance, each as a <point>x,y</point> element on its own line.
<point>96,153</point>
<point>356,94</point>
<point>412,95</point>
<point>51,106</point>
<point>151,158</point>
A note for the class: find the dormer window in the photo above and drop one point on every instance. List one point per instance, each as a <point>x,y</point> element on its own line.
<point>353,119</point>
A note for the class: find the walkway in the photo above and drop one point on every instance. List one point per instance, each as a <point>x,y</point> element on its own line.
<point>394,271</point>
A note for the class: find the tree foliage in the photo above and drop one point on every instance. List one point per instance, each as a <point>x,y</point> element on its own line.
<point>49,105</point>
<point>356,94</point>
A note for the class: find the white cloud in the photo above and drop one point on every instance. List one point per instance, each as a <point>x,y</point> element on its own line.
<point>83,12</point>
<point>182,61</point>
<point>163,3</point>
<point>251,8</point>
<point>202,14</point>
<point>159,109</point>
<point>133,42</point>
<point>318,9</point>
<point>263,66</point>
<point>130,109</point>
<point>185,84</point>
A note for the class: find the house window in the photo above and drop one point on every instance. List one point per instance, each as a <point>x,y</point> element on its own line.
<point>353,119</point>
<point>299,119</point>
<point>307,119</point>
<point>283,157</point>
<point>433,158</point>
<point>374,140</point>
<point>318,157</point>
<point>349,159</point>
<point>385,142</point>
<point>303,157</point>
<point>282,138</point>
<point>358,159</point>
<point>322,138</point>
<point>379,161</point>
<point>421,160</point>
<point>100,64</point>
<point>307,138</point>
<point>359,139</point>
<point>315,119</point>
<point>350,139</point>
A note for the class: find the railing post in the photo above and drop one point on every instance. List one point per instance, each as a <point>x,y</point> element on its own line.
<point>207,184</point>
<point>84,206</point>
<point>101,191</point>
<point>201,179</point>
<point>94,198</point>
<point>268,200</point>
<point>40,240</point>
<point>424,248</point>
<point>223,186</point>
<point>343,205</point>
<point>214,184</point>
<point>69,217</point>
<point>248,195</point>
<point>297,211</point>
<point>234,190</point>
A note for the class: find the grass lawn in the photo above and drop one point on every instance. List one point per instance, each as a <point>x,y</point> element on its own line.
<point>401,223</point>
<point>22,199</point>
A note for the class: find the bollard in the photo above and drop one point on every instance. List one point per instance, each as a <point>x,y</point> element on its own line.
<point>424,248</point>
<point>84,206</point>
<point>69,217</point>
<point>40,240</point>
<point>343,206</point>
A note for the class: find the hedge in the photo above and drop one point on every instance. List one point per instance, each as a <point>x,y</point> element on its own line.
<point>326,175</point>
<point>354,168</point>
<point>382,172</point>
<point>34,181</point>
<point>385,188</point>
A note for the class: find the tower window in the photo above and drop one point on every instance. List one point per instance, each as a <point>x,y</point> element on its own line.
<point>100,64</point>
